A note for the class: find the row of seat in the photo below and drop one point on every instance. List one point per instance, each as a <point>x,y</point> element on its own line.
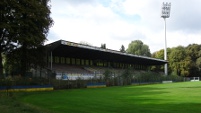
<point>80,70</point>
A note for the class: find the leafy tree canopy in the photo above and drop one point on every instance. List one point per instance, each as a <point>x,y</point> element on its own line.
<point>137,47</point>
<point>122,49</point>
<point>103,46</point>
<point>24,24</point>
<point>184,61</point>
<point>193,50</point>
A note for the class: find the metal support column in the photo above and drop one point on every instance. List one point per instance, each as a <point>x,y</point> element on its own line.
<point>165,50</point>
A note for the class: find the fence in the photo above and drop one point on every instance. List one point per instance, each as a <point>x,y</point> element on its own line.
<point>114,79</point>
<point>26,88</point>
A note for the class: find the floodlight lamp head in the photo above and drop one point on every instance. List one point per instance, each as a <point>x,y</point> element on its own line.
<point>165,13</point>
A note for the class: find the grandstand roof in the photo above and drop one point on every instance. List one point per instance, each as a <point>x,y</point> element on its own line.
<point>64,48</point>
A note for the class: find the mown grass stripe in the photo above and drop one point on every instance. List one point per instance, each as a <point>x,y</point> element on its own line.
<point>158,98</point>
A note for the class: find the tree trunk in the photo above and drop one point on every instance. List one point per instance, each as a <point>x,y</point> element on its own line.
<point>1,65</point>
<point>24,60</point>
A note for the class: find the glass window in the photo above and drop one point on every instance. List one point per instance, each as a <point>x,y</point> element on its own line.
<point>49,59</point>
<point>91,62</point>
<point>77,61</point>
<point>62,60</point>
<point>87,62</point>
<point>105,64</point>
<point>82,62</point>
<point>67,60</point>
<point>56,59</point>
<point>73,61</point>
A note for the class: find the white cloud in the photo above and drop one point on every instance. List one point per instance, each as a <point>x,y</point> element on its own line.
<point>120,22</point>
<point>135,7</point>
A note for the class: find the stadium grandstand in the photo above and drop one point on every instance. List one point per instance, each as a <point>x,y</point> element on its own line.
<point>71,61</point>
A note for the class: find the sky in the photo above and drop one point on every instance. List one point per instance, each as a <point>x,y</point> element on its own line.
<point>118,22</point>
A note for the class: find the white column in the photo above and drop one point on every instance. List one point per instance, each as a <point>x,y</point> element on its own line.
<point>165,50</point>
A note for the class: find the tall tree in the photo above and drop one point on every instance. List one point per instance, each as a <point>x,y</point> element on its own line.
<point>24,24</point>
<point>137,47</point>
<point>103,46</point>
<point>127,76</point>
<point>179,62</point>
<point>193,52</point>
<point>198,62</point>
<point>160,55</point>
<point>122,49</point>
<point>34,59</point>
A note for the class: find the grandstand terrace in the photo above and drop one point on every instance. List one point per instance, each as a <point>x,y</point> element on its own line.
<point>74,60</point>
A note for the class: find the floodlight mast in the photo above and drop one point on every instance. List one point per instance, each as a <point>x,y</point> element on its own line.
<point>165,13</point>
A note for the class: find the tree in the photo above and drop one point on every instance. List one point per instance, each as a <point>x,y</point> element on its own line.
<point>107,76</point>
<point>24,24</point>
<point>194,53</point>
<point>179,63</point>
<point>198,61</point>
<point>103,46</point>
<point>137,47</point>
<point>160,55</point>
<point>122,49</point>
<point>35,59</point>
<point>183,61</point>
<point>127,76</point>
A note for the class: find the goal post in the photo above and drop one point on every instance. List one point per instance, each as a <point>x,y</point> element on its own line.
<point>195,79</point>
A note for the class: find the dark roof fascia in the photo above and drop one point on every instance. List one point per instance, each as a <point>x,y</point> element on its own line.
<point>54,45</point>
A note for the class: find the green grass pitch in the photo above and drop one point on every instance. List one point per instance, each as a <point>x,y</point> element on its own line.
<point>159,98</point>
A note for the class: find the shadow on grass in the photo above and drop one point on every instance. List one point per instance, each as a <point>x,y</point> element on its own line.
<point>129,99</point>
<point>11,104</point>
